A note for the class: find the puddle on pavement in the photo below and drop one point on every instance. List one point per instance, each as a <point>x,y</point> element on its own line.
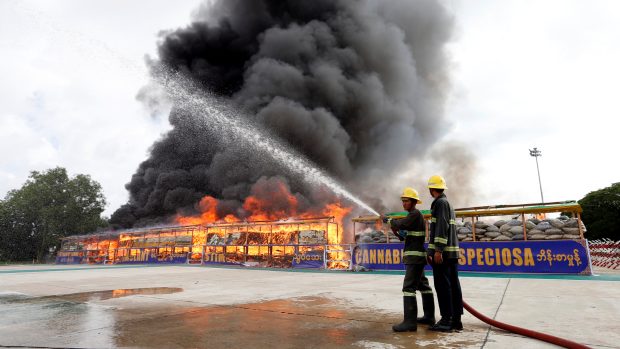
<point>66,320</point>
<point>90,296</point>
<point>308,322</point>
<point>289,323</point>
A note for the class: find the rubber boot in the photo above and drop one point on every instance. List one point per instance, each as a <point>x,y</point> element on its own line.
<point>444,325</point>
<point>411,312</point>
<point>428,304</point>
<point>457,325</point>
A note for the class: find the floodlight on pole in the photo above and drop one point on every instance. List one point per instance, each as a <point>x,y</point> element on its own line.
<point>536,153</point>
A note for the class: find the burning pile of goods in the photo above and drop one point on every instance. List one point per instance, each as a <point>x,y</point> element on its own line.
<point>283,244</point>
<point>502,230</point>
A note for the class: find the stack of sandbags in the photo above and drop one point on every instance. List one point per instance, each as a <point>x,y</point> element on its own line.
<point>547,229</point>
<point>511,230</point>
<point>571,228</point>
<point>487,232</point>
<point>556,229</point>
<point>501,230</point>
<point>498,231</point>
<point>372,236</point>
<point>464,232</point>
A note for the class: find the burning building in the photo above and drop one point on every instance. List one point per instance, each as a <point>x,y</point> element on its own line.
<point>301,243</point>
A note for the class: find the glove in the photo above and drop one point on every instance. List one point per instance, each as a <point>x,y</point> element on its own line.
<point>385,219</point>
<point>398,234</point>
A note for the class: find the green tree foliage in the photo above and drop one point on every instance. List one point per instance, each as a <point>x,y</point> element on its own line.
<point>601,213</point>
<point>49,206</point>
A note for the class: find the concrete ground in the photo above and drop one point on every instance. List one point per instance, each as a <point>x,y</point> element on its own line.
<point>206,307</point>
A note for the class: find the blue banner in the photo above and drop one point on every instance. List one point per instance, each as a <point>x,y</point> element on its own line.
<point>70,257</point>
<point>175,258</point>
<point>144,256</point>
<point>557,257</point>
<point>219,258</point>
<point>138,257</point>
<point>309,259</point>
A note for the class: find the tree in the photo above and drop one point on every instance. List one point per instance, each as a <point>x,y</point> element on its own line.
<point>601,212</point>
<point>48,207</point>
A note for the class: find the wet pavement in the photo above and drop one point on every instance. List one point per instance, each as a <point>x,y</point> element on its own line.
<point>66,320</point>
<point>198,307</point>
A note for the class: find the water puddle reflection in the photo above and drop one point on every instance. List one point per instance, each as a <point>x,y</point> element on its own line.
<point>81,320</point>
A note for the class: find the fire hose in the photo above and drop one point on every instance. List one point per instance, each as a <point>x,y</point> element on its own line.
<point>524,331</point>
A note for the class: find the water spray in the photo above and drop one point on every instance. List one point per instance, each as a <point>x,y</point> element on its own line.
<point>220,114</point>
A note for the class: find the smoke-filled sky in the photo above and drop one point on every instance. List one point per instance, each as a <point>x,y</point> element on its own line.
<point>477,84</point>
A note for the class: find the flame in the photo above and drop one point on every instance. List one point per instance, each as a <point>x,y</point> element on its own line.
<point>280,205</point>
<point>208,209</point>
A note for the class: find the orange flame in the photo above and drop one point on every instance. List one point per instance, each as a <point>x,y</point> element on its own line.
<point>281,204</point>
<point>276,204</point>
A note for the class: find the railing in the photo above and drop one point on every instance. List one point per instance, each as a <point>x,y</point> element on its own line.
<point>263,255</point>
<point>331,256</point>
<point>605,253</point>
<point>338,256</point>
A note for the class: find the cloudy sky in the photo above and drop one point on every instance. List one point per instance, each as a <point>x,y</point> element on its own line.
<point>526,74</point>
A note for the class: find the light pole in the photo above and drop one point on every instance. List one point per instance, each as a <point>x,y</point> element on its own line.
<point>536,153</point>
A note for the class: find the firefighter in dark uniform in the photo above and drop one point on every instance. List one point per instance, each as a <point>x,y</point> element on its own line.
<point>443,254</point>
<point>411,230</point>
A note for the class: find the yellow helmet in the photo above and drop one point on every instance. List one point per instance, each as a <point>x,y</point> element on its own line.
<point>437,182</point>
<point>410,193</point>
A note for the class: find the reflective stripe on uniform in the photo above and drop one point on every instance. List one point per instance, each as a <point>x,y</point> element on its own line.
<point>427,292</point>
<point>433,220</point>
<point>431,246</point>
<point>389,221</point>
<point>452,221</point>
<point>414,253</point>
<point>451,248</point>
<point>439,240</point>
<point>409,294</point>
<point>416,233</point>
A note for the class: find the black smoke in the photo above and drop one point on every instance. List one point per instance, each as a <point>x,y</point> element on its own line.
<point>358,87</point>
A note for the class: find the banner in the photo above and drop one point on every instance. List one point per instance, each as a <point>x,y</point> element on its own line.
<point>556,257</point>
<point>176,258</point>
<point>141,256</point>
<point>70,257</point>
<point>148,256</point>
<point>308,259</point>
<point>220,258</point>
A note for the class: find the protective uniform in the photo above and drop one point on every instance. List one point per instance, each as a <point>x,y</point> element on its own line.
<point>411,230</point>
<point>443,238</point>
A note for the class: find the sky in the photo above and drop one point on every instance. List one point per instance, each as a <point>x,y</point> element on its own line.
<point>525,74</point>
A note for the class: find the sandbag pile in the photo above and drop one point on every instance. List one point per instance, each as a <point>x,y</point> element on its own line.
<point>502,230</point>
<point>372,236</point>
<point>547,229</point>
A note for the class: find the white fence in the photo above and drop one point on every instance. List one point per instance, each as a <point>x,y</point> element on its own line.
<point>605,253</point>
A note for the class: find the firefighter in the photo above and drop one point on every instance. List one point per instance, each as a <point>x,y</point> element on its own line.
<point>411,230</point>
<point>443,254</point>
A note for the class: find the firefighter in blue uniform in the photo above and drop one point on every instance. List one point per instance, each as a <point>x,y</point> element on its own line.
<point>411,230</point>
<point>443,254</point>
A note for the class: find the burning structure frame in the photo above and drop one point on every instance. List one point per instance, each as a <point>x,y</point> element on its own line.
<point>300,243</point>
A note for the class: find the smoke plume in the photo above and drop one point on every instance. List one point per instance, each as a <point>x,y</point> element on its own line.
<point>358,87</point>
